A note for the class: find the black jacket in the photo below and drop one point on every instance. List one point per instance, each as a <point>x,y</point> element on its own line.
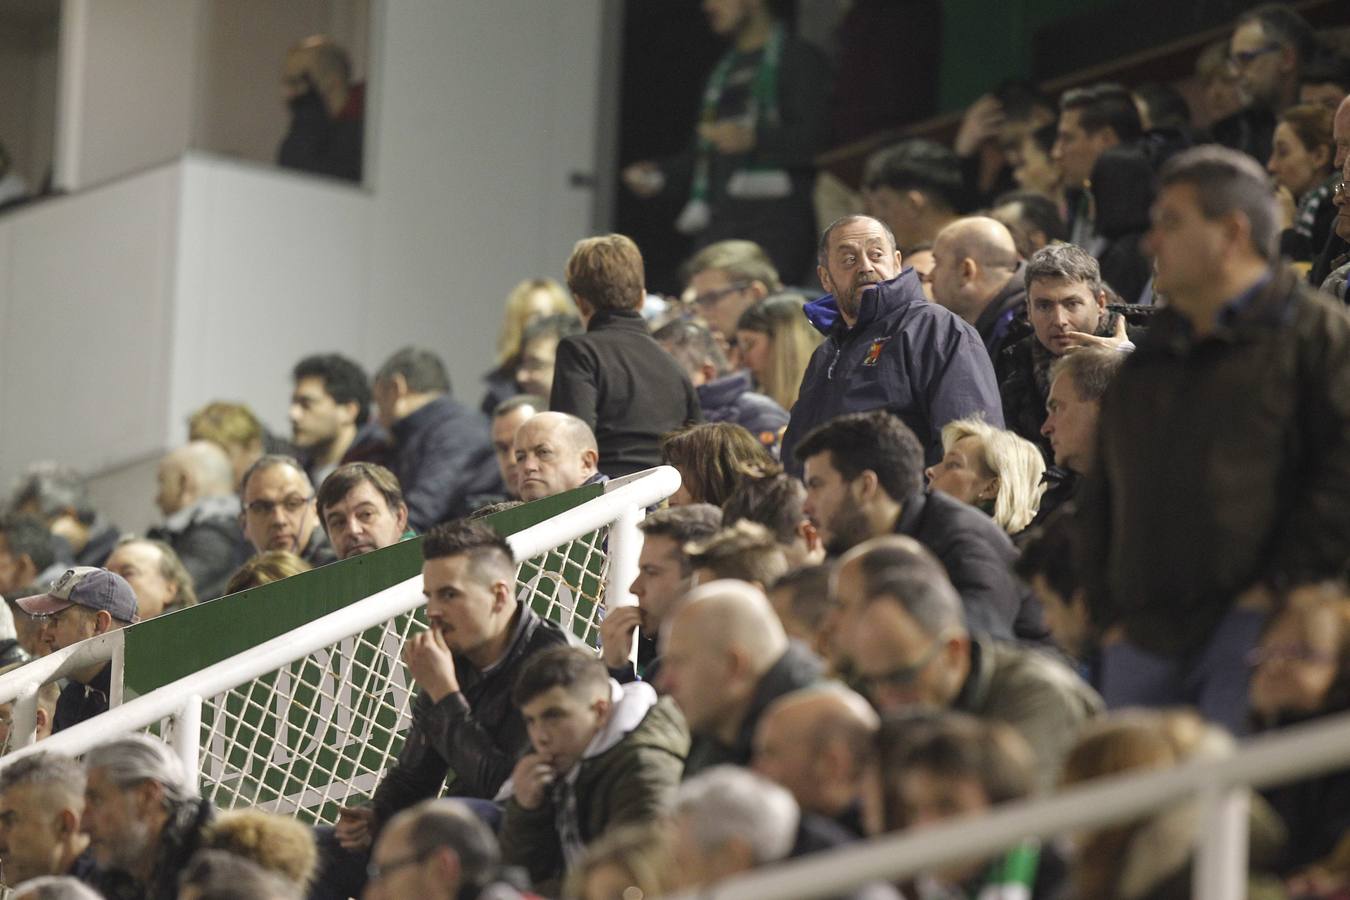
<point>731,399</point>
<point>211,544</point>
<point>978,556</point>
<point>175,845</point>
<point>475,735</point>
<point>103,537</point>
<point>908,356</point>
<point>796,668</point>
<point>79,702</point>
<point>618,380</point>
<point>442,456</point>
<point>997,324</point>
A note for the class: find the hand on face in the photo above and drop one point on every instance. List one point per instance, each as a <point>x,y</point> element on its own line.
<point>431,664</point>
<point>616,635</point>
<point>530,779</point>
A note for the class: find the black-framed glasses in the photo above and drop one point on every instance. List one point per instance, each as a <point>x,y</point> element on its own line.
<point>1244,58</point>
<point>899,677</point>
<point>712,298</point>
<point>292,504</point>
<point>375,871</point>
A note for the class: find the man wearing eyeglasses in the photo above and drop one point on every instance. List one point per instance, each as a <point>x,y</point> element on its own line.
<point>727,278</point>
<point>1268,47</point>
<point>437,850</point>
<point>279,511</point>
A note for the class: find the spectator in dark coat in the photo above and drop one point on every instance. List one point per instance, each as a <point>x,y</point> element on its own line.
<point>280,511</point>
<point>1122,182</point>
<point>442,450</point>
<point>201,515</point>
<point>59,496</point>
<point>327,111</point>
<point>976,274</point>
<point>615,377</point>
<point>887,347</point>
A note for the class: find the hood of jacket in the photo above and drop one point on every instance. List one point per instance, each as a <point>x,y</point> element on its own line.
<point>873,302</point>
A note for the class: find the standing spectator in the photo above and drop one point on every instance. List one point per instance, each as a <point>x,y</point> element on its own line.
<point>726,280</point>
<point>712,459</point>
<point>280,513</point>
<point>914,188</point>
<point>763,119</point>
<point>991,469</point>
<point>1268,477</point>
<point>507,418</point>
<point>157,576</point>
<point>977,275</point>
<point>539,352</point>
<point>41,806</point>
<point>1266,51</point>
<point>327,110</point>
<point>887,347</point>
<point>58,495</point>
<point>1078,382</point>
<point>1301,164</point>
<point>1091,121</point>
<point>534,298</point>
<point>555,452</point>
<point>776,341</point>
<point>201,515</point>
<point>615,377</point>
<point>330,415</point>
<point>362,510</point>
<point>1122,194</point>
<point>442,453</point>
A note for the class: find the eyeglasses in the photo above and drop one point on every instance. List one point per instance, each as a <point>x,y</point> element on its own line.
<point>375,871</point>
<point>1244,58</point>
<point>292,504</point>
<point>712,298</point>
<point>903,676</point>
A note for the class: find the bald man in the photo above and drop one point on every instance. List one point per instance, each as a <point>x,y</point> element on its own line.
<point>725,659</point>
<point>977,275</point>
<point>201,514</point>
<point>555,452</point>
<point>817,743</point>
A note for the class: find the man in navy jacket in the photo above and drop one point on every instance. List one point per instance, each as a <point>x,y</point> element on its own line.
<point>887,347</point>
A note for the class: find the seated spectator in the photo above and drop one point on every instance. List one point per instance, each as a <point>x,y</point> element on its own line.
<point>665,576</point>
<point>1035,171</point>
<point>55,887</point>
<point>977,275</point>
<point>1219,91</point>
<point>330,415</point>
<point>327,110</point>
<point>818,743</point>
<point>915,188</point>
<point>143,816</point>
<point>604,756</point>
<point>713,458</point>
<point>27,554</point>
<point>1301,162</point>
<point>775,341</point>
<point>991,132</point>
<point>801,598</point>
<point>236,430</point>
<point>265,568</point>
<point>723,394</point>
<point>1122,195</point>
<point>48,696</point>
<point>279,511</point>
<point>41,809</point>
<point>533,298</point>
<point>222,875</point>
<point>920,259</point>
<point>744,552</point>
<point>1324,81</point>
<point>1300,673</point>
<point>725,658</point>
<point>728,821</point>
<point>947,766</point>
<point>279,844</point>
<point>441,451</point>
<point>28,629</point>
<point>83,602</point>
<point>361,508</point>
<point>479,637</point>
<point>1078,381</point>
<point>438,850</point>
<point>539,352</point>
<point>615,378</point>
<point>864,478</point>
<point>1033,218</point>
<point>777,502</point>
<point>1092,120</point>
<point>634,857</point>
<point>157,576</point>
<point>1165,116</point>
<point>726,279</point>
<point>1050,564</point>
<point>555,453</point>
<point>507,417</point>
<point>1066,303</point>
<point>991,469</point>
<point>909,646</point>
<point>201,515</point>
<point>58,495</point>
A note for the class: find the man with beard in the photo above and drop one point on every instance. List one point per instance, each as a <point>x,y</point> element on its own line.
<point>888,347</point>
<point>864,479</point>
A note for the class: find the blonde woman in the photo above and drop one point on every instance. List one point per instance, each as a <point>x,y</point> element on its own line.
<point>991,469</point>
<point>776,342</point>
<point>532,299</point>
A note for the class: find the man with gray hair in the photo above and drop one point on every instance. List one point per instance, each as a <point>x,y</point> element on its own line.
<point>1223,458</point>
<point>1078,381</point>
<point>442,452</point>
<point>729,820</point>
<point>436,850</point>
<point>143,816</point>
<point>41,806</point>
<point>55,887</point>
<point>201,515</point>
<point>58,495</point>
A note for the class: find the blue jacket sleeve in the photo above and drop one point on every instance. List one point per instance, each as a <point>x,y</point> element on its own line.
<point>961,384</point>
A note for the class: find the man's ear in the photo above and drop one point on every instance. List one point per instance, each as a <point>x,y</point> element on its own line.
<point>349,412</point>
<point>823,276</point>
<point>501,596</point>
<point>447,865</point>
<point>590,458</point>
<point>67,823</point>
<point>399,383</point>
<point>102,621</point>
<point>402,516</point>
<point>968,269</point>
<point>759,289</point>
<point>867,484</point>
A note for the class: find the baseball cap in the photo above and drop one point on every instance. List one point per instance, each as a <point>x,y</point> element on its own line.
<point>86,586</point>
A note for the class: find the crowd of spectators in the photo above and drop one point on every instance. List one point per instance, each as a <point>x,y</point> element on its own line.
<point>1050,484</point>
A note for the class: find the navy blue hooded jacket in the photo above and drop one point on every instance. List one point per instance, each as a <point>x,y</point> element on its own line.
<point>914,358</point>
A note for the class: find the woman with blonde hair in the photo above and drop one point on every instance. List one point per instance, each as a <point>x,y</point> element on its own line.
<point>992,469</point>
<point>265,568</point>
<point>776,342</point>
<point>533,298</point>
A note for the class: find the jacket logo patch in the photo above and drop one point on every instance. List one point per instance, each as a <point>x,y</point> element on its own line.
<point>874,352</point>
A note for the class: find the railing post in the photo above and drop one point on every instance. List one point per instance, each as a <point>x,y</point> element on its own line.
<point>187,736</point>
<point>625,545</point>
<point>1220,871</point>
<point>23,717</point>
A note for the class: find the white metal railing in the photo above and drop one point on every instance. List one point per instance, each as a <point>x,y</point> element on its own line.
<point>20,687</point>
<point>1222,787</point>
<point>621,507</point>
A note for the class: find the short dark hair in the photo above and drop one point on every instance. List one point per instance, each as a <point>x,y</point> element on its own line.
<point>876,441</point>
<point>28,536</point>
<point>1228,181</point>
<point>1280,23</point>
<point>422,369</point>
<point>479,541</point>
<point>692,345</point>
<point>1039,210</point>
<point>557,326</point>
<point>570,668</point>
<point>511,404</point>
<point>1167,108</point>
<point>745,551</point>
<point>449,823</point>
<point>1020,98</point>
<point>926,596</point>
<point>343,380</point>
<point>918,164</point>
<point>1052,552</point>
<point>1067,261</point>
<point>683,524</point>
<point>713,457</point>
<point>1105,105</point>
<point>345,477</point>
<point>775,501</point>
<point>809,589</point>
<point>607,272</point>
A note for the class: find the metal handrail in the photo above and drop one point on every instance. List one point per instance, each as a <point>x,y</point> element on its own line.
<point>20,687</point>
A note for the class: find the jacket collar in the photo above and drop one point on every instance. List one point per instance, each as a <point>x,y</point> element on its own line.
<point>723,391</point>
<point>624,319</point>
<point>911,513</point>
<point>888,296</point>
<point>221,506</point>
<point>1267,306</point>
<point>1008,299</point>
